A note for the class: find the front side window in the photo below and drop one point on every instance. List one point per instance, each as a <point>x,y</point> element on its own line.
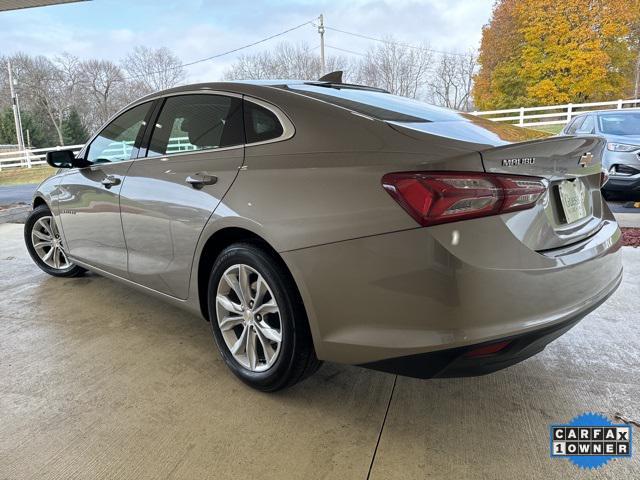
<point>116,141</point>
<point>575,125</point>
<point>588,126</point>
<point>197,122</point>
<point>260,124</point>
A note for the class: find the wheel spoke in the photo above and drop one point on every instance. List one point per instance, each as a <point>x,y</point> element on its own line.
<point>46,224</point>
<point>260,292</point>
<point>54,226</point>
<point>63,257</point>
<point>241,343</point>
<point>48,255</point>
<point>229,322</point>
<point>228,305</point>
<point>41,235</point>
<point>269,332</point>
<point>269,307</point>
<point>268,350</point>
<point>235,286</point>
<point>252,354</point>
<point>243,280</point>
<point>44,243</point>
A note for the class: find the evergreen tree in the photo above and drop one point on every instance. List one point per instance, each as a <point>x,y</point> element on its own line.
<point>73,131</point>
<point>39,135</point>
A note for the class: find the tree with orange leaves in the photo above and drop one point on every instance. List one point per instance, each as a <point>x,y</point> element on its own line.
<point>543,52</point>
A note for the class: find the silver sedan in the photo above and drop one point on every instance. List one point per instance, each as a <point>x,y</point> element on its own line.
<point>311,221</point>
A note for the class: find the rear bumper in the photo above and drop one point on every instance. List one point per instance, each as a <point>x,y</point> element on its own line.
<point>457,362</point>
<point>416,292</point>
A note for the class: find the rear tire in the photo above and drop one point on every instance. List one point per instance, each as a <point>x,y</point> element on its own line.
<point>45,244</point>
<point>257,319</point>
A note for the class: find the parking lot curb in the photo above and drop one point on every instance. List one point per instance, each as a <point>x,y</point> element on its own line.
<point>630,220</point>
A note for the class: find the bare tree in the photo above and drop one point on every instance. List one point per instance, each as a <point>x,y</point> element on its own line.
<point>103,86</point>
<point>44,86</point>
<point>452,81</point>
<point>287,60</point>
<point>402,70</point>
<point>154,69</point>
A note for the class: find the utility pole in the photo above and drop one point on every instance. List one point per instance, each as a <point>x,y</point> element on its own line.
<point>321,32</point>
<point>16,110</point>
<point>636,91</point>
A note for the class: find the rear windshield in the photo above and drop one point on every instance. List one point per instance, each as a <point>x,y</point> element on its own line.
<point>382,106</point>
<point>620,123</point>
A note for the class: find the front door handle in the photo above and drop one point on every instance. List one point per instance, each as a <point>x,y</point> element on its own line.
<point>110,181</point>
<point>199,180</point>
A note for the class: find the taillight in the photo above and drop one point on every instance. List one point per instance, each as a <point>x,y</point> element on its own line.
<point>432,198</point>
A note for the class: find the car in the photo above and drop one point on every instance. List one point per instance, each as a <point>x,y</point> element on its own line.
<point>621,129</point>
<point>314,221</point>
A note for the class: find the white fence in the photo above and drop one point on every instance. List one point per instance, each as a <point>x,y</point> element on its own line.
<point>31,157</point>
<point>28,158</point>
<point>524,116</point>
<point>553,114</point>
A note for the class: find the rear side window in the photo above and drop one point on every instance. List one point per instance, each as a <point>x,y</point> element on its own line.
<point>380,105</point>
<point>575,125</point>
<point>260,124</point>
<point>197,122</point>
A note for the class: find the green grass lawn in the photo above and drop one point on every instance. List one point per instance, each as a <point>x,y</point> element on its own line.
<point>19,176</point>
<point>552,129</point>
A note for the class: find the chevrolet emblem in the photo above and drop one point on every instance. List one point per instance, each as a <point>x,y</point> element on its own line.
<point>586,159</point>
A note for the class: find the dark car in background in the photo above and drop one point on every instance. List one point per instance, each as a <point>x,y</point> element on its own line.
<point>621,129</point>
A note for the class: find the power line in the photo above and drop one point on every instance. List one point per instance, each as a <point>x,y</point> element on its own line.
<point>284,32</point>
<point>390,42</point>
<point>222,54</point>
<point>346,51</point>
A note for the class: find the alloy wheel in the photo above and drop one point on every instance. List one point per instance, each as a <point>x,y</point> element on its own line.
<point>48,245</point>
<point>249,318</point>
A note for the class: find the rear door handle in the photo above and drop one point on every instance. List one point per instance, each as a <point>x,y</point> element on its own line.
<point>110,181</point>
<point>199,180</point>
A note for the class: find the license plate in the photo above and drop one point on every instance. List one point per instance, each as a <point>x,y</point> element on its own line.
<point>572,198</point>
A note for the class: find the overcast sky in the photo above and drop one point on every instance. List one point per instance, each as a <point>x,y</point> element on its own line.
<point>194,29</point>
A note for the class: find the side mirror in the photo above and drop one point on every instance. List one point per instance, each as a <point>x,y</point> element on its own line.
<point>61,159</point>
<point>65,159</point>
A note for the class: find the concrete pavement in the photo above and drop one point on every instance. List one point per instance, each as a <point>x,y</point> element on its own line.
<point>99,381</point>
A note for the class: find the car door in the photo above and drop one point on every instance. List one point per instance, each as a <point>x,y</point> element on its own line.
<point>89,199</point>
<point>195,150</point>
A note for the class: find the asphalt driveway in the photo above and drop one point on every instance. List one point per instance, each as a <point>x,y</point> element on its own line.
<point>99,381</point>
<point>12,194</point>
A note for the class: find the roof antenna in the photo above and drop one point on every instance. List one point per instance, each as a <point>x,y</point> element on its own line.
<point>333,77</point>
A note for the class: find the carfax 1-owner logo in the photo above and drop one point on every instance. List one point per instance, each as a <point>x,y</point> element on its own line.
<point>590,440</point>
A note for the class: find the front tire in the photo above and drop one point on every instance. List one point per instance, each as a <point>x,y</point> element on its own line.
<point>45,245</point>
<point>257,319</point>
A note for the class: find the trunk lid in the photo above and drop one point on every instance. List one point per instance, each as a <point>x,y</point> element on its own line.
<point>573,208</point>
